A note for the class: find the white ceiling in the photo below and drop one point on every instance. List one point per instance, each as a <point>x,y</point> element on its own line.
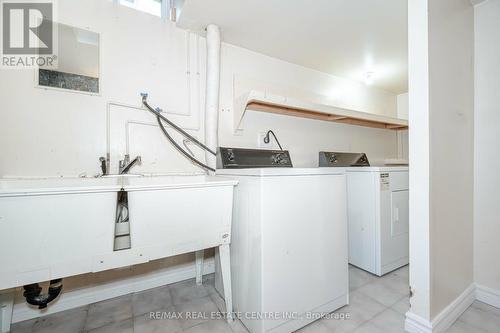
<point>347,38</point>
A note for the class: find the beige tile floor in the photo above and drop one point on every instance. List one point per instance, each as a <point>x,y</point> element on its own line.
<point>377,305</point>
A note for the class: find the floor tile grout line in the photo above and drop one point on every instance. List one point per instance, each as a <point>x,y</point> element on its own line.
<point>86,316</point>
<point>360,286</point>
<point>113,322</point>
<point>375,316</point>
<point>478,329</point>
<point>366,321</point>
<point>373,299</point>
<point>211,297</point>
<point>495,313</point>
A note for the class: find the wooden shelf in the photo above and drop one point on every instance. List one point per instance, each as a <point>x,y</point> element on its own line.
<point>258,101</point>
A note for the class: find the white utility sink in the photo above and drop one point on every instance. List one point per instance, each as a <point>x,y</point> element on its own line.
<point>58,227</point>
<point>24,186</point>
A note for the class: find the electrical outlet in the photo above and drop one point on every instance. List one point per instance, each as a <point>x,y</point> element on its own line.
<point>260,141</point>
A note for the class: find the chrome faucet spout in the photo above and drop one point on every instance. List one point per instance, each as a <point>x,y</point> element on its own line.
<point>126,164</point>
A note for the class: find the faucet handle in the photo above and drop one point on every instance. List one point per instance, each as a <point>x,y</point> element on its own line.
<point>123,163</point>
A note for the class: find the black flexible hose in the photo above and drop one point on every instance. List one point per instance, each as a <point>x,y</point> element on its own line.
<point>34,296</point>
<point>177,128</point>
<point>266,138</point>
<point>179,148</point>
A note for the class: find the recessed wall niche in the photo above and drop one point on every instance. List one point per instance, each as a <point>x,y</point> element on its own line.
<point>77,61</point>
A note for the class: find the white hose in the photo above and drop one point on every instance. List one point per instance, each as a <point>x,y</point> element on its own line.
<point>212,92</point>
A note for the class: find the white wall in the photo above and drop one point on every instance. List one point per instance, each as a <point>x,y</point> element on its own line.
<point>402,102</point>
<point>403,136</point>
<point>451,102</point>
<point>53,133</point>
<point>441,98</point>
<point>47,132</point>
<point>419,155</point>
<point>77,54</point>
<point>242,69</point>
<point>60,133</point>
<point>487,138</point>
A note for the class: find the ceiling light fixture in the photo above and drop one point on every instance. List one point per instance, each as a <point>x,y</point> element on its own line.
<point>369,78</point>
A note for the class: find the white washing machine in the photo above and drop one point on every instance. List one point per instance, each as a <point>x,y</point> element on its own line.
<point>377,210</point>
<point>289,240</point>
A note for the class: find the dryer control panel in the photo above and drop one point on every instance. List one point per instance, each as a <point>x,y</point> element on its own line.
<point>335,159</point>
<point>242,158</point>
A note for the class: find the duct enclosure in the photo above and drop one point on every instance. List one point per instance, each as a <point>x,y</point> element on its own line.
<point>212,92</point>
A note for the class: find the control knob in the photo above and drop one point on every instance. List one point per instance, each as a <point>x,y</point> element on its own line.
<point>363,159</point>
<point>279,159</point>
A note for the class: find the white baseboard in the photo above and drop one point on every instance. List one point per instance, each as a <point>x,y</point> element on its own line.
<point>453,311</point>
<point>488,295</point>
<point>417,324</point>
<point>85,296</point>
<point>446,318</point>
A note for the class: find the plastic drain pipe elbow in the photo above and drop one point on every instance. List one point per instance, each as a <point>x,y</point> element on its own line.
<point>34,296</point>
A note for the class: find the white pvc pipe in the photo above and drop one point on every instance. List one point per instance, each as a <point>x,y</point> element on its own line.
<point>212,92</point>
<point>211,121</point>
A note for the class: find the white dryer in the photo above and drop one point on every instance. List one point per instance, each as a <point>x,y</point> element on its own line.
<point>377,210</point>
<point>289,240</point>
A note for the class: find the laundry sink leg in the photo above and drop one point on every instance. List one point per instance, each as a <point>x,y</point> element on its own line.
<point>199,266</point>
<point>225,265</point>
<point>218,274</point>
<point>6,309</point>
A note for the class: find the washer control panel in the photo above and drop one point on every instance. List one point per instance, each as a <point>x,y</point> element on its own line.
<point>242,158</point>
<point>336,159</point>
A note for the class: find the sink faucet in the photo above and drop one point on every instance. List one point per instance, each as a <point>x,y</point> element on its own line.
<point>104,166</point>
<point>125,164</point>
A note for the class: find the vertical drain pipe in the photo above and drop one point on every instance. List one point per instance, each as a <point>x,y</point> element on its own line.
<point>211,127</point>
<point>212,92</point>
